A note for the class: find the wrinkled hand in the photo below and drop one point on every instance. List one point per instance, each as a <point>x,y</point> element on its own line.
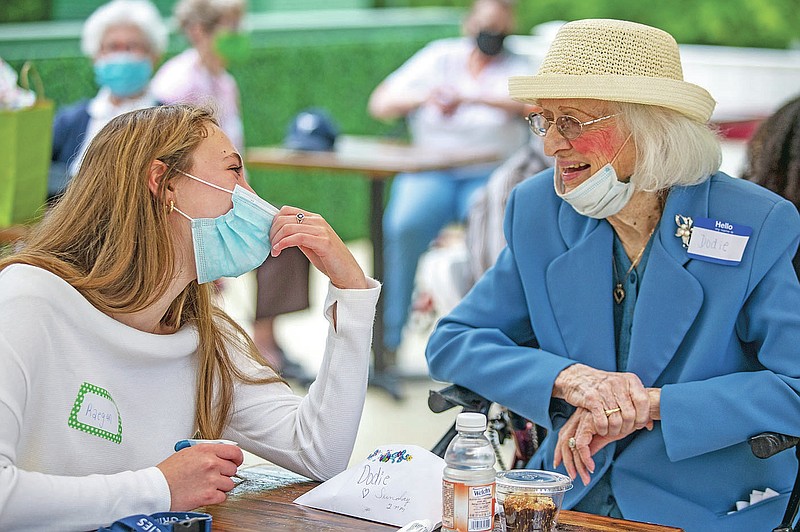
<point>597,391</point>
<point>320,243</point>
<point>578,460</point>
<point>201,474</point>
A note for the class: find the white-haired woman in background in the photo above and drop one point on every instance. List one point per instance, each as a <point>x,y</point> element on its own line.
<point>125,39</point>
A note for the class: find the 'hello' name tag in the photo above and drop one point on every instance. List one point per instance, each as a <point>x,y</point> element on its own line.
<point>718,242</point>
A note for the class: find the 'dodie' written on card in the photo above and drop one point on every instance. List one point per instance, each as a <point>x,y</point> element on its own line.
<point>395,484</point>
<point>375,481</point>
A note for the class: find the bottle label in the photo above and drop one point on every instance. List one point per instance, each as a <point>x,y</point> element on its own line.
<point>467,508</point>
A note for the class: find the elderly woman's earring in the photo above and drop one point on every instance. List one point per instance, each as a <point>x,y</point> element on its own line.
<point>170,207</point>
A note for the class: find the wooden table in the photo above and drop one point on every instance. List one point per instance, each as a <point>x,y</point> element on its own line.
<point>273,509</point>
<point>377,159</point>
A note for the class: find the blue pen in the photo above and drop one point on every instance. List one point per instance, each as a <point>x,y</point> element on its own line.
<point>183,444</point>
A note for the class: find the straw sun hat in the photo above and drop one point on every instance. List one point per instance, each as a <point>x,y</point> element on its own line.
<point>614,60</point>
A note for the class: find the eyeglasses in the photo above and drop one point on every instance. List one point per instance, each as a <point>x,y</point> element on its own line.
<point>568,126</point>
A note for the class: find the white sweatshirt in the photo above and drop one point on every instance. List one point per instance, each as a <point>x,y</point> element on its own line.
<point>89,406</point>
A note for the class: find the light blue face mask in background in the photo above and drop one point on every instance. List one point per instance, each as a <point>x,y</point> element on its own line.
<point>234,243</point>
<point>124,74</point>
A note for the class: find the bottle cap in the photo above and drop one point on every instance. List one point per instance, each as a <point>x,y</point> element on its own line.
<point>471,422</point>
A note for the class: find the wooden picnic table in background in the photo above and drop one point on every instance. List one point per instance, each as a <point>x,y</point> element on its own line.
<point>377,159</point>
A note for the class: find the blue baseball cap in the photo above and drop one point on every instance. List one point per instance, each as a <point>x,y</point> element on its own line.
<point>311,129</point>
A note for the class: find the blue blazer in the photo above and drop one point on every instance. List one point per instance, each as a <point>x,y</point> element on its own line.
<point>720,341</point>
<point>69,130</point>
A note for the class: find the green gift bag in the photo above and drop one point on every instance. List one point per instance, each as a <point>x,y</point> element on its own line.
<point>26,137</point>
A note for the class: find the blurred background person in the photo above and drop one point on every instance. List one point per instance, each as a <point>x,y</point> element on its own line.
<point>199,75</point>
<point>454,96</point>
<point>458,258</point>
<point>125,39</point>
<point>773,156</point>
<point>484,231</point>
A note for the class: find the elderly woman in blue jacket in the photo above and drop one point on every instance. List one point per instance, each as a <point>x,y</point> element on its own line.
<point>645,310</point>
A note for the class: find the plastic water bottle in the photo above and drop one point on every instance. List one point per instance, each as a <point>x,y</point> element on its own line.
<point>468,479</point>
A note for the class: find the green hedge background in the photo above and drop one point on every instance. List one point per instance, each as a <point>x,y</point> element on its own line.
<point>275,84</point>
<point>757,23</point>
<point>337,69</point>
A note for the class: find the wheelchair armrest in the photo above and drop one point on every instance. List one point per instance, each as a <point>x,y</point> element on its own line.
<point>769,444</point>
<point>455,395</point>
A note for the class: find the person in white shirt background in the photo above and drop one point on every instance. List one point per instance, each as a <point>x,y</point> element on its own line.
<point>199,74</point>
<point>454,96</point>
<point>125,39</point>
<point>112,348</point>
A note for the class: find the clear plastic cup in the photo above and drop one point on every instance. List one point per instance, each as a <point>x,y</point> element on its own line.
<point>528,500</point>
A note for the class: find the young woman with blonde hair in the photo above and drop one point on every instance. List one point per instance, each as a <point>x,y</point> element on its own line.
<point>111,348</point>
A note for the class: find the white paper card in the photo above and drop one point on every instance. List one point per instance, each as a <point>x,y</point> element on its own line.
<point>394,485</point>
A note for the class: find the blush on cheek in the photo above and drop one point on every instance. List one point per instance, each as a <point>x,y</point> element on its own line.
<point>598,143</point>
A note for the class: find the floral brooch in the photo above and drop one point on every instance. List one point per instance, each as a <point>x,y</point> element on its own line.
<point>684,230</point>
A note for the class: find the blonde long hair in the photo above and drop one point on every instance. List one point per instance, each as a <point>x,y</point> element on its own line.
<point>109,238</point>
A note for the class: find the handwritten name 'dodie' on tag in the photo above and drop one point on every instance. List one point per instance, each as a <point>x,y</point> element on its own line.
<point>396,484</point>
<point>718,242</point>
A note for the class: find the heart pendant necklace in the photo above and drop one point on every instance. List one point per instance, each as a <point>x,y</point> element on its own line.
<point>619,290</point>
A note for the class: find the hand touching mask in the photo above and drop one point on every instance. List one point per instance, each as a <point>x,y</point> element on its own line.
<point>234,243</point>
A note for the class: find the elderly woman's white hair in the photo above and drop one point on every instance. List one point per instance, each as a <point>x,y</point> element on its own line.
<point>671,148</point>
<point>140,13</point>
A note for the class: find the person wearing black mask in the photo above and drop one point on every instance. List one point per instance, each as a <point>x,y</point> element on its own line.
<point>490,43</point>
<point>454,96</point>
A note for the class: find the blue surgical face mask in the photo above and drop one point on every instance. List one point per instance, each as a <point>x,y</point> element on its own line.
<point>600,196</point>
<point>234,243</point>
<point>124,74</point>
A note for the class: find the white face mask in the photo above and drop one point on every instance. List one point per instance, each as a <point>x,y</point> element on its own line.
<point>600,196</point>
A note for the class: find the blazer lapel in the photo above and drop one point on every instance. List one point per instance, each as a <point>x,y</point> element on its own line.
<point>670,296</point>
<point>579,288</point>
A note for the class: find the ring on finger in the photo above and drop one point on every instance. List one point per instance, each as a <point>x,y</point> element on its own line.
<point>300,217</point>
<point>612,411</point>
<point>571,443</point>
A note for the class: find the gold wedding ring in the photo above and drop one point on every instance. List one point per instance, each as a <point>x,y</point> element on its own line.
<point>571,443</point>
<point>611,411</point>
<point>300,216</point>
